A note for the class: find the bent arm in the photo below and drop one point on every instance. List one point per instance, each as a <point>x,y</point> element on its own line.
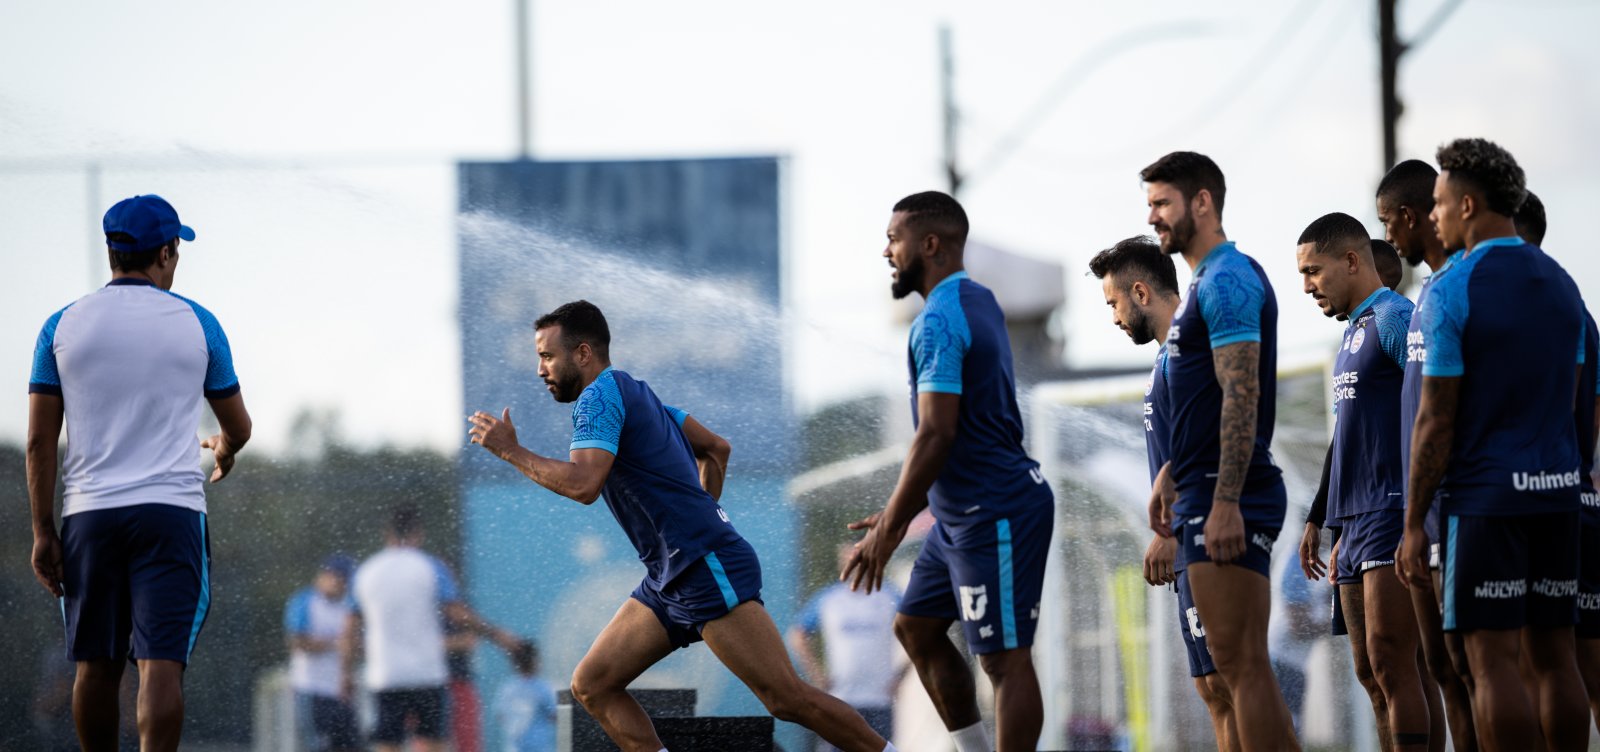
<point>936,433</point>
<point>579,478</point>
<point>234,421</point>
<point>46,412</point>
<point>711,453</point>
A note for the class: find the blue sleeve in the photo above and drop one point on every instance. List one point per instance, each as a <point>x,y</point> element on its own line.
<point>45,378</point>
<point>598,416</point>
<point>939,344</point>
<point>220,380</point>
<point>1583,332</point>
<point>547,701</point>
<point>1393,323</point>
<point>297,614</point>
<point>810,619</point>
<point>1443,320</point>
<point>446,582</point>
<point>1231,298</point>
<point>678,416</point>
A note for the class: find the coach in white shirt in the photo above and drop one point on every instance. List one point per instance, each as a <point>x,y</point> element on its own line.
<point>125,369</point>
<point>402,597</point>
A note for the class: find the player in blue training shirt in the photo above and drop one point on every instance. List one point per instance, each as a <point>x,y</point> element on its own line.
<point>661,473</point>
<point>1365,498</point>
<point>1530,223</point>
<point>1491,434</point>
<point>983,561</point>
<point>1222,383</point>
<point>1405,205</point>
<point>1141,287</point>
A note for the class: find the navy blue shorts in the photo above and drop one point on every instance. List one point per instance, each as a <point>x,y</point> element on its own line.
<point>1508,572</point>
<point>1257,555</point>
<point>1589,583</point>
<point>708,590</point>
<point>1368,541</point>
<point>1194,633</point>
<point>139,574</point>
<point>427,710</point>
<point>987,574</point>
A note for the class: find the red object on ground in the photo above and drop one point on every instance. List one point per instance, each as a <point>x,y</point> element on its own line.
<point>466,716</point>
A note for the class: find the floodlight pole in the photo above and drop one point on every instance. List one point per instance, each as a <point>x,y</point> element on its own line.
<point>947,90</point>
<point>524,85</point>
<point>97,246</point>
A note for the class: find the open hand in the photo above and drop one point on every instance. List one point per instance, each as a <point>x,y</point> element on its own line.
<point>864,568</point>
<point>222,453</point>
<point>498,436</point>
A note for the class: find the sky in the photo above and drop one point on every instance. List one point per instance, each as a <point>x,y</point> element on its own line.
<point>312,147</point>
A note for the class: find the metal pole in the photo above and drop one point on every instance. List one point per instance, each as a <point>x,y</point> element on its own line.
<point>947,89</point>
<point>524,85</point>
<point>1389,50</point>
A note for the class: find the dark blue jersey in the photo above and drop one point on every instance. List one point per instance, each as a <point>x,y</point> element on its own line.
<point>1157,430</point>
<point>1229,301</point>
<point>654,487</point>
<point>1509,323</point>
<point>1367,375</point>
<point>959,346</point>
<point>1588,390</point>
<point>1411,388</point>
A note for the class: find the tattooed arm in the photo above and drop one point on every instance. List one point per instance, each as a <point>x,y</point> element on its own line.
<point>1432,438</point>
<point>1238,373</point>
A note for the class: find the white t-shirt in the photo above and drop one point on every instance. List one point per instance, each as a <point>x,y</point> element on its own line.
<point>858,637</point>
<point>399,593</point>
<point>131,362</point>
<point>309,614</point>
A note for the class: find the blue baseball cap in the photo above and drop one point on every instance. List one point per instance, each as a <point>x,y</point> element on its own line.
<point>148,219</point>
<point>340,564</point>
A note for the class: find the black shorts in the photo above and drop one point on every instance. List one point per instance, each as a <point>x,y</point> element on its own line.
<point>334,723</point>
<point>425,708</point>
<point>1589,583</point>
<point>1509,572</point>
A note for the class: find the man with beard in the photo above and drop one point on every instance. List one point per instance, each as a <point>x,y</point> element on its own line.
<point>1335,260</point>
<point>661,472</point>
<point>1405,207</point>
<point>1222,383</point>
<point>1510,488</point>
<point>983,560</point>
<point>1141,287</point>
<point>1530,222</point>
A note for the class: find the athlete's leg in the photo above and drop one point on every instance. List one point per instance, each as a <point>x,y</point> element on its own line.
<point>1500,707</point>
<point>1353,602</point>
<point>1563,704</point>
<point>1392,650</point>
<point>631,643</point>
<point>160,705</point>
<point>747,642</point>
<point>1234,603</point>
<point>94,704</point>
<point>941,667</point>
<point>1457,700</point>
<point>1213,691</point>
<point>1430,693</point>
<point>1019,709</point>
<point>1530,682</point>
<point>1589,668</point>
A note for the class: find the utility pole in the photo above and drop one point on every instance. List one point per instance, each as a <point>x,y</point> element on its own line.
<point>947,89</point>
<point>524,85</point>
<point>97,245</point>
<point>1389,51</point>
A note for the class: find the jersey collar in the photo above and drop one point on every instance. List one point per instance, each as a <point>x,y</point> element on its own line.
<point>122,281</point>
<point>950,280</point>
<point>1492,242</point>
<point>1217,250</point>
<point>1367,304</point>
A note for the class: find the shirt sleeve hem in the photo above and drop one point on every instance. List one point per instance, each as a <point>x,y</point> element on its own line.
<point>1234,339</point>
<point>595,444</point>
<point>223,393</point>
<point>941,387</point>
<point>50,389</point>
<point>1446,372</point>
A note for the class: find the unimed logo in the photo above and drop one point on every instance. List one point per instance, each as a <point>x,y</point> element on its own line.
<point>1501,589</point>
<point>1544,481</point>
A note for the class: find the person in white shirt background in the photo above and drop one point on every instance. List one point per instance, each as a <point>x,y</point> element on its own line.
<point>313,621</point>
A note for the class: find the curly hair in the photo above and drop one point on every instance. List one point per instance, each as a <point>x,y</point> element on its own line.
<point>1141,255</point>
<point>1483,165</point>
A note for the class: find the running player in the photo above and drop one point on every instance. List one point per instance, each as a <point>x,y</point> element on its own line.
<point>1405,207</point>
<point>661,472</point>
<point>983,560</point>
<point>1530,221</point>
<point>1510,484</point>
<point>1141,287</point>
<point>1364,493</point>
<point>125,368</point>
<point>1222,382</point>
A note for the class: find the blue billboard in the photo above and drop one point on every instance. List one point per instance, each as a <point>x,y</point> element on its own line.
<point>683,256</point>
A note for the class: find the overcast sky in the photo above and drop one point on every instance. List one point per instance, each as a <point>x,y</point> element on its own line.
<point>311,145</point>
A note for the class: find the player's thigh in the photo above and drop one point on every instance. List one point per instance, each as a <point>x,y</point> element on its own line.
<point>1234,603</point>
<point>998,569</point>
<point>1352,602</point>
<point>930,594</point>
<point>96,608</point>
<point>169,581</point>
<point>633,641</point>
<point>747,642</point>
<point>1391,622</point>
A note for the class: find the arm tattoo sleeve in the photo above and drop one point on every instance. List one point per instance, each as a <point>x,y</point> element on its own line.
<point>1238,373</point>
<point>1431,443</point>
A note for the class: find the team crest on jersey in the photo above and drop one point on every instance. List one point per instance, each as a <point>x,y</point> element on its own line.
<point>1150,384</point>
<point>1357,339</point>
